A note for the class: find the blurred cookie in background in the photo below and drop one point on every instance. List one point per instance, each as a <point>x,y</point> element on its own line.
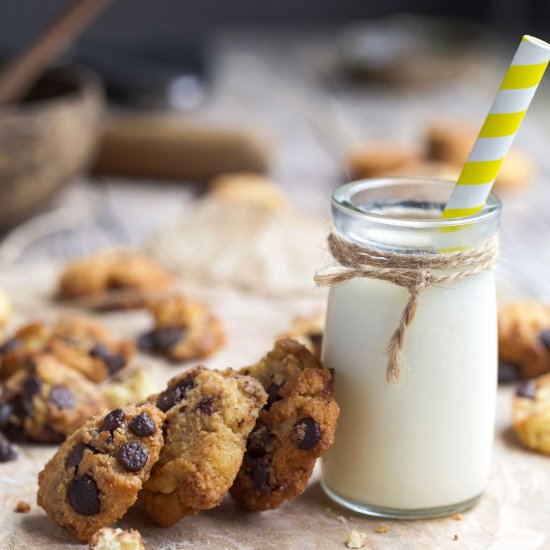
<point>113,279</point>
<point>531,414</point>
<point>249,188</point>
<point>183,329</point>
<point>80,343</point>
<point>523,340</point>
<point>451,140</point>
<point>47,401</point>
<point>372,158</point>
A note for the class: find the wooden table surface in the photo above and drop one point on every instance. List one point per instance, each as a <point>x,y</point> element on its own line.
<point>270,79</point>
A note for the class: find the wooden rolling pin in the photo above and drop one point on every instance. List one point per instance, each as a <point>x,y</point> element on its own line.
<point>166,147</point>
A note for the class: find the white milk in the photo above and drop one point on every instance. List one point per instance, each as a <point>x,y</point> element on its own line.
<point>425,442</point>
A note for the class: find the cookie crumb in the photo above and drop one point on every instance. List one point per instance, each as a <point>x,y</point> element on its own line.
<point>455,537</point>
<point>356,539</point>
<point>116,539</point>
<point>22,507</point>
<point>382,528</point>
<point>457,517</point>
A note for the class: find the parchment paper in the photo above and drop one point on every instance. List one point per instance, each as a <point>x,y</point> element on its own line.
<point>514,514</point>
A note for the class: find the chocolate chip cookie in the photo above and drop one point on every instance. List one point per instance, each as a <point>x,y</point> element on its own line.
<point>96,474</point>
<point>296,427</point>
<point>308,330</point>
<point>184,329</point>
<point>116,539</point>
<point>80,343</point>
<point>531,414</point>
<point>209,415</point>
<point>524,340</point>
<point>47,401</point>
<point>113,279</point>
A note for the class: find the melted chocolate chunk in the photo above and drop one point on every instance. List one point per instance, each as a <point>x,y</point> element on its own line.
<point>22,407</point>
<point>142,425</point>
<point>112,421</point>
<point>258,470</point>
<point>174,394</point>
<point>9,345</point>
<point>544,337</point>
<point>133,456</point>
<point>7,452</point>
<point>83,496</point>
<point>258,442</point>
<point>166,337</point>
<point>272,394</point>
<point>31,386</point>
<point>74,458</point>
<point>113,361</point>
<point>207,405</point>
<point>508,372</point>
<point>62,397</point>
<point>146,341</point>
<point>527,390</point>
<point>305,433</point>
<point>161,339</point>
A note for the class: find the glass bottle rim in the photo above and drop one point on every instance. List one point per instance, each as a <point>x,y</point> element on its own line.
<point>342,200</point>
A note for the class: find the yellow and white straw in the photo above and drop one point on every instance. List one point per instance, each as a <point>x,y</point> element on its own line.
<point>499,129</point>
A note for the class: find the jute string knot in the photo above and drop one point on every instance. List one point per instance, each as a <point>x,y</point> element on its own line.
<point>414,271</point>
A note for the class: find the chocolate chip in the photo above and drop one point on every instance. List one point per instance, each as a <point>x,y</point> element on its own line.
<point>258,442</point>
<point>527,390</point>
<point>258,470</point>
<point>113,361</point>
<point>142,425</point>
<point>62,397</point>
<point>174,394</point>
<point>207,405</point>
<point>22,407</point>
<point>161,339</point>
<point>31,386</point>
<point>133,456</point>
<point>272,394</point>
<point>83,495</point>
<point>508,372</point>
<point>9,345</point>
<point>7,452</point>
<point>112,421</point>
<point>166,337</point>
<point>544,337</point>
<point>305,433</point>
<point>74,458</point>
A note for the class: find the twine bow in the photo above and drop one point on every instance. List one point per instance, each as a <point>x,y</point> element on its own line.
<point>415,272</point>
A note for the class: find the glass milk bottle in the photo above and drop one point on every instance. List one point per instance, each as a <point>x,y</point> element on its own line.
<point>420,447</point>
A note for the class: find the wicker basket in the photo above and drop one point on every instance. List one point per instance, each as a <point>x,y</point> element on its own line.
<point>47,140</point>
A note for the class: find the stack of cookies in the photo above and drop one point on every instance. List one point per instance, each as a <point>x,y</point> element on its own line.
<point>255,433</point>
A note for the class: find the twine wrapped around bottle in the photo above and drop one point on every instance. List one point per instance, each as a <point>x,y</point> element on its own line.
<point>413,271</point>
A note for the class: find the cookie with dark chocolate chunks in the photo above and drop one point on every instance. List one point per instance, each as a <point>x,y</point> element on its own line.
<point>96,474</point>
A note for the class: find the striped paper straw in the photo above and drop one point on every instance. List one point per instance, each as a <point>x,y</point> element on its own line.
<point>499,129</point>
